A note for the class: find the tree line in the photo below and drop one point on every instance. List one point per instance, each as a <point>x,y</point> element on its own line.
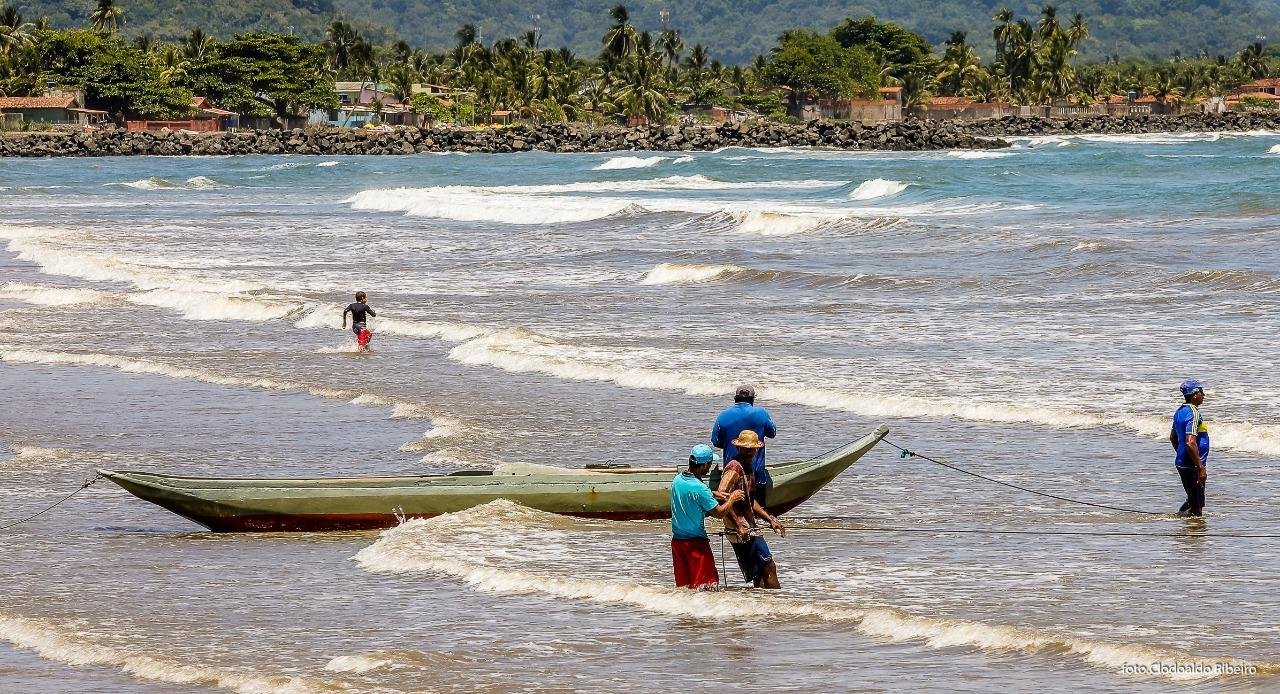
<point>636,74</point>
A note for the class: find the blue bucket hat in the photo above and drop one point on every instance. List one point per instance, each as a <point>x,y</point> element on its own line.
<point>1190,386</point>
<point>702,454</point>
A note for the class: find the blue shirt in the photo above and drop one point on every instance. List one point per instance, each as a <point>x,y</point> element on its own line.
<point>732,422</point>
<point>690,501</point>
<point>1187,421</point>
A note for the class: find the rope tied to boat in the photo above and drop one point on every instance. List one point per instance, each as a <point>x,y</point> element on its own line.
<point>56,504</point>
<point>906,453</point>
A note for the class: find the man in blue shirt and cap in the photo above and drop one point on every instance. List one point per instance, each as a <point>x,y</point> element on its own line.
<point>744,415</point>
<point>1190,439</point>
<point>691,502</point>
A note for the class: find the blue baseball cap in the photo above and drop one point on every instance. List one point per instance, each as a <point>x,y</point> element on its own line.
<point>1190,386</point>
<point>702,454</point>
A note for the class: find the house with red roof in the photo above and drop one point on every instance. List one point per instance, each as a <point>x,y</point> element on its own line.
<point>55,108</point>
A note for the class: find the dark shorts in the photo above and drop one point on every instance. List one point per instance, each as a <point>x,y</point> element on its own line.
<point>357,327</point>
<point>753,556</point>
<point>694,563</point>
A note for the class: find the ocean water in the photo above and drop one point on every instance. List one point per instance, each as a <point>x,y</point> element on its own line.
<point>1027,313</point>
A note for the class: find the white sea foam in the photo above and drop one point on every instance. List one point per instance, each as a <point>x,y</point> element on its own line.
<point>877,188</point>
<point>471,204</point>
<point>522,351</point>
<point>32,456</point>
<point>680,273</point>
<point>978,154</point>
<point>157,183</point>
<point>49,248</point>
<point>70,647</point>
<point>617,163</point>
<point>428,546</point>
<point>399,409</point>
<point>326,164</point>
<point>207,306</point>
<point>1275,149</point>
<point>686,159</point>
<point>41,295</point>
<point>767,223</point>
<point>330,316</point>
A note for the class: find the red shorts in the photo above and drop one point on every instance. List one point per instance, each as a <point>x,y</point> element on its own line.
<point>695,564</point>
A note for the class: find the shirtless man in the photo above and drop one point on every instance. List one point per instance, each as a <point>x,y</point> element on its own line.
<point>754,557</point>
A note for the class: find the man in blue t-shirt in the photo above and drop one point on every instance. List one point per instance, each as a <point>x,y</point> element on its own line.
<point>1190,439</point>
<point>742,416</point>
<point>691,502</point>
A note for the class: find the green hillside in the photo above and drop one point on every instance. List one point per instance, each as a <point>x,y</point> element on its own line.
<point>734,30</point>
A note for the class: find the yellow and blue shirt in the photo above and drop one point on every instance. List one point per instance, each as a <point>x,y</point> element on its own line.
<point>1188,422</point>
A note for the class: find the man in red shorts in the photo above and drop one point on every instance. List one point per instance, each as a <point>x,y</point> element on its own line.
<point>691,502</point>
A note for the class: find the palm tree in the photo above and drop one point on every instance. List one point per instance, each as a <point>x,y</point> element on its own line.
<point>107,17</point>
<point>173,63</point>
<point>197,45</point>
<point>1254,60</point>
<point>1078,31</point>
<point>344,46</point>
<point>671,43</point>
<point>1002,32</point>
<point>916,84</point>
<point>620,40</point>
<point>959,63</point>
<point>145,43</point>
<point>15,34</point>
<point>1048,26</point>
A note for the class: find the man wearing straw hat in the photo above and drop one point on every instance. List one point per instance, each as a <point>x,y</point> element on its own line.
<point>754,557</point>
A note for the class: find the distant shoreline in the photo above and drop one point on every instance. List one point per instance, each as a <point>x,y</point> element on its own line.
<point>912,135</point>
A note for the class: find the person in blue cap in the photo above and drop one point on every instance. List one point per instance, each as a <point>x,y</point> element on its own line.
<point>1190,439</point>
<point>691,502</point>
<point>744,415</point>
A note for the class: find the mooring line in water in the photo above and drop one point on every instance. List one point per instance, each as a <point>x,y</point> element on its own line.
<point>912,454</point>
<point>996,531</point>
<point>83,487</point>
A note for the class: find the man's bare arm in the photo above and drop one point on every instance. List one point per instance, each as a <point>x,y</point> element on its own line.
<point>719,511</point>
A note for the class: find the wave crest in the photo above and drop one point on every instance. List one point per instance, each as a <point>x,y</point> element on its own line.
<point>877,188</point>
<point>441,546</point>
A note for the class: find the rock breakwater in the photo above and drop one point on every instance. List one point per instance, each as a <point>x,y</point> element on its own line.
<point>555,137</point>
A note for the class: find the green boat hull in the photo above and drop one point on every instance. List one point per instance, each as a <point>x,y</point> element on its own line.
<point>351,503</point>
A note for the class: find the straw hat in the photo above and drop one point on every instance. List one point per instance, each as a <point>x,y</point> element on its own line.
<point>748,439</point>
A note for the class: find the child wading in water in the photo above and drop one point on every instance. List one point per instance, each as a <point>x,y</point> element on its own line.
<point>358,311</point>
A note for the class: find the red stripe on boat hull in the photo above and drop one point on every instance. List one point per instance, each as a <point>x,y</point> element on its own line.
<point>378,521</point>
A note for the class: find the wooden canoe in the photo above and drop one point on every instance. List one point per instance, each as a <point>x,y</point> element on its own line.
<point>351,503</point>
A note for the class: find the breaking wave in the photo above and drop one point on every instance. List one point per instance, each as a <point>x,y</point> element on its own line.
<point>399,410</point>
<point>70,647</point>
<point>444,546</point>
<point>519,350</point>
<point>157,183</point>
<point>41,295</point>
<point>41,246</point>
<point>330,316</point>
<point>472,204</point>
<point>618,163</point>
<point>682,273</point>
<point>206,306</point>
<point>877,188</point>
<point>978,154</point>
<point>1275,149</point>
<point>1239,280</point>
<point>678,273</point>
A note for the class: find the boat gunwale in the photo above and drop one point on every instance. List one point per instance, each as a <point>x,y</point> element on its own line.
<point>576,476</point>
